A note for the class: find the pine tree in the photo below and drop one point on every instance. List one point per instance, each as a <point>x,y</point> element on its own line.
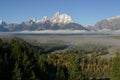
<point>26,66</point>
<point>33,76</point>
<point>74,70</point>
<point>115,70</point>
<point>41,68</point>
<point>60,73</point>
<point>16,72</point>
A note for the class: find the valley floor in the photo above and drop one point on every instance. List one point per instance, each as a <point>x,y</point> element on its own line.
<point>111,41</point>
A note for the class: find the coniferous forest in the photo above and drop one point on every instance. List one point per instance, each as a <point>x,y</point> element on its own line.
<point>20,60</point>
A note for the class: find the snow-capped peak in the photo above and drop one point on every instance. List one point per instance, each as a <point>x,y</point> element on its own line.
<point>45,18</point>
<point>31,21</point>
<point>2,22</point>
<point>61,18</point>
<point>57,14</point>
<point>88,25</point>
<point>116,17</point>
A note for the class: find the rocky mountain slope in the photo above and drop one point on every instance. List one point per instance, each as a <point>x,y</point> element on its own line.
<point>109,24</point>
<point>56,22</point>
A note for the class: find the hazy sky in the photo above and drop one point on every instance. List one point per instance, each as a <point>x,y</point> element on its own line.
<point>82,11</point>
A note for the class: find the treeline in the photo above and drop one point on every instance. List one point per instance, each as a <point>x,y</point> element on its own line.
<point>20,60</point>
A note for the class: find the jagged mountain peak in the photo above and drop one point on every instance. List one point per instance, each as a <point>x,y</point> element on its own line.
<point>88,25</point>
<point>61,18</point>
<point>57,13</point>
<point>57,22</point>
<point>2,22</point>
<point>56,18</point>
<point>44,19</point>
<point>31,21</point>
<point>108,24</point>
<point>112,18</point>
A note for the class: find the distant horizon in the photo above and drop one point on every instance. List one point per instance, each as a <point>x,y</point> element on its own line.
<point>81,11</point>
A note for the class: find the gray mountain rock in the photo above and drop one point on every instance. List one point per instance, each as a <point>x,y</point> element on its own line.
<point>111,24</point>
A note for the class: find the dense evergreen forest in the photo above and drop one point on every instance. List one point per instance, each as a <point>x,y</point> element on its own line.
<point>20,60</point>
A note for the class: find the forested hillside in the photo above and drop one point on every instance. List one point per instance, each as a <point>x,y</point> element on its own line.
<point>20,60</point>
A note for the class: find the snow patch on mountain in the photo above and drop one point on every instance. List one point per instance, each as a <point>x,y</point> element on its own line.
<point>56,18</point>
<point>31,21</point>
<point>61,18</point>
<point>44,19</point>
<point>112,18</point>
<point>1,21</point>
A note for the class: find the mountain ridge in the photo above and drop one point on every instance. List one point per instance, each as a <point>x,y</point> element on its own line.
<point>108,24</point>
<point>60,22</point>
<point>56,22</point>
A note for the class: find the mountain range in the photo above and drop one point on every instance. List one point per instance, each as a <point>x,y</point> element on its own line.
<point>109,24</point>
<point>60,22</point>
<point>56,22</point>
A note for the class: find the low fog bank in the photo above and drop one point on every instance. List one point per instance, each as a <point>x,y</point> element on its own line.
<point>63,32</point>
<point>107,40</point>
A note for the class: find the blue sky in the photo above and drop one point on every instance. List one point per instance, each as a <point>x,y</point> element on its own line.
<point>82,11</point>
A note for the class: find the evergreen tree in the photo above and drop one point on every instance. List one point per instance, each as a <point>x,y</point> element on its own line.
<point>33,76</point>
<point>16,73</point>
<point>74,70</point>
<point>60,73</point>
<point>41,68</point>
<point>5,72</point>
<point>115,70</point>
<point>26,66</point>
